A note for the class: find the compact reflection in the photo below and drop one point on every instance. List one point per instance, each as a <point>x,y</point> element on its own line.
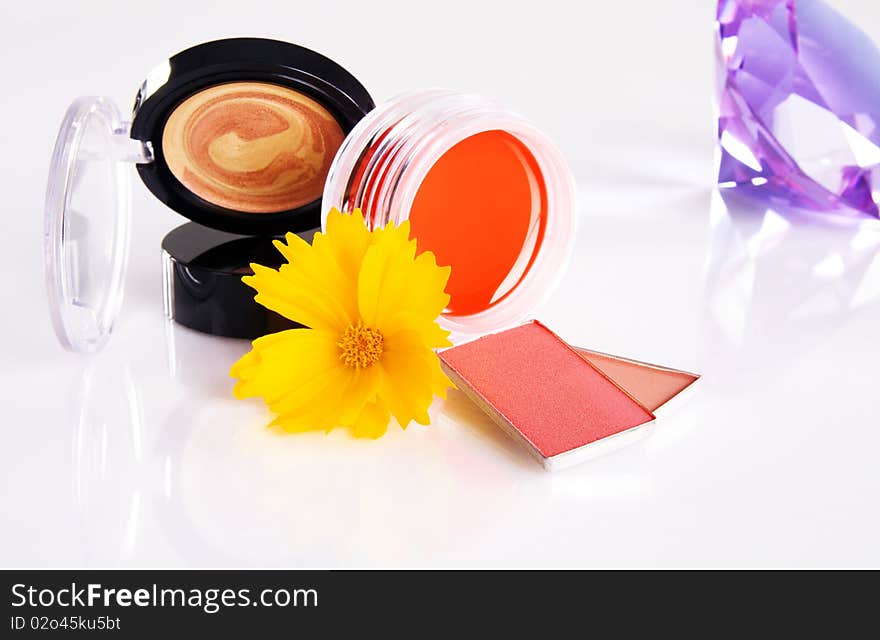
<point>127,464</point>
<point>197,365</point>
<point>108,451</point>
<point>780,281</point>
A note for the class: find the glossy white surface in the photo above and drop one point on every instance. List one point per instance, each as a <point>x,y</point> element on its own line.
<point>140,457</point>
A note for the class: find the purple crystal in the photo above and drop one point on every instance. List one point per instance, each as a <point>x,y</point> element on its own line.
<point>799,104</point>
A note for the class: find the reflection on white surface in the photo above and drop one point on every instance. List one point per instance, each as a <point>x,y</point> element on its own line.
<point>108,458</point>
<point>211,483</point>
<point>129,479</point>
<point>170,470</point>
<point>781,281</point>
<point>199,361</point>
<point>612,487</point>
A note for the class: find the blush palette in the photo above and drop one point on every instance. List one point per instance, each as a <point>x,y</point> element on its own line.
<point>563,404</point>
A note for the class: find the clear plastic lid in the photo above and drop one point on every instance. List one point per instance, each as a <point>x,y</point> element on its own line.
<point>86,222</point>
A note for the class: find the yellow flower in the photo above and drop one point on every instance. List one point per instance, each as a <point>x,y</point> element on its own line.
<point>370,305</point>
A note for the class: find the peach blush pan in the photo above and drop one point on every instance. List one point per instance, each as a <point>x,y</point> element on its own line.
<point>654,386</point>
<point>545,395</point>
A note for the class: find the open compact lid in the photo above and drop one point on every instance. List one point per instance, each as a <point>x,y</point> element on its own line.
<point>86,222</point>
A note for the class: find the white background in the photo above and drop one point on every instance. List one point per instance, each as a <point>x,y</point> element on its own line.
<point>140,457</point>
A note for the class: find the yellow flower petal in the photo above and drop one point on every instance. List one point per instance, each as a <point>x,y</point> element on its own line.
<point>362,388</point>
<point>318,285</point>
<point>322,410</point>
<point>372,421</point>
<point>440,382</point>
<point>431,334</point>
<point>385,285</point>
<point>408,378</point>
<point>429,299</point>
<point>308,419</point>
<point>282,363</point>
<point>350,241</point>
<point>390,253</point>
<point>296,297</point>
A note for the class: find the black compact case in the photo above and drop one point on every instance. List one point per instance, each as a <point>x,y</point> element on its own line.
<point>202,270</point>
<point>88,201</point>
<point>235,60</point>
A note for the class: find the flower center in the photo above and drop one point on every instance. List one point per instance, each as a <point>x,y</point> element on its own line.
<point>361,346</point>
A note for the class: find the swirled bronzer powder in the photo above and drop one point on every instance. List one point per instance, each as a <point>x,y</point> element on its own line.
<point>251,146</point>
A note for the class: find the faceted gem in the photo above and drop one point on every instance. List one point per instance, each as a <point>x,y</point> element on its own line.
<point>798,105</point>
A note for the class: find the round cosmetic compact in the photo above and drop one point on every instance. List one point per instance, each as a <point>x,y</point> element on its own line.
<point>238,136</point>
<point>484,190</point>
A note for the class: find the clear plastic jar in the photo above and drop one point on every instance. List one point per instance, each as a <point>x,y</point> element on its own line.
<point>483,189</point>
